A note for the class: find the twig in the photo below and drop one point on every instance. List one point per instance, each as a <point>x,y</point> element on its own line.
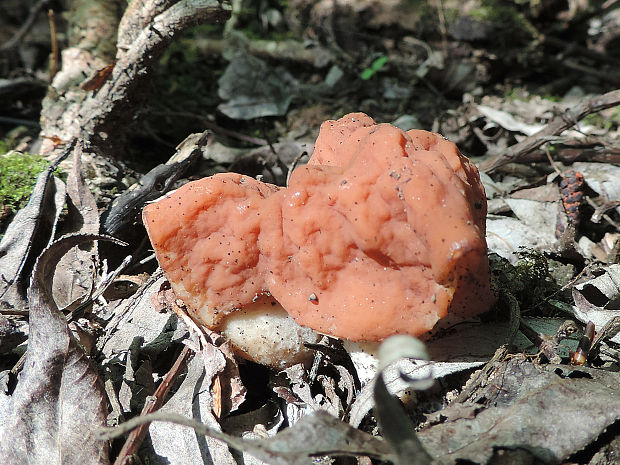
<point>553,164</point>
<point>21,33</point>
<point>480,378</point>
<point>600,210</point>
<point>270,449</point>
<point>54,40</point>
<point>152,404</point>
<point>578,49</point>
<point>106,281</point>
<point>548,345</point>
<point>292,51</point>
<point>611,76</point>
<point>19,365</point>
<point>572,154</point>
<point>153,184</point>
<point>605,216</point>
<point>214,127</point>
<point>555,127</point>
<point>137,422</point>
<point>19,121</point>
<point>14,312</point>
<point>294,165</point>
<point>117,411</point>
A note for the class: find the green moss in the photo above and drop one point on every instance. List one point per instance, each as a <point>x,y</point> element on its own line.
<point>18,173</point>
<point>532,266</point>
<point>530,281</point>
<point>598,120</point>
<point>517,93</point>
<point>510,24</point>
<point>520,93</point>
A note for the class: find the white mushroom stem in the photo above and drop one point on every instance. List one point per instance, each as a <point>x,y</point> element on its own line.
<point>265,333</point>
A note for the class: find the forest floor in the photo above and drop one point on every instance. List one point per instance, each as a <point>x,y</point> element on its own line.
<point>100,116</point>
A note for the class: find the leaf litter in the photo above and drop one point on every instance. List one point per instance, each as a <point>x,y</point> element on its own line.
<point>54,411</point>
<point>477,428</point>
<point>515,395</point>
<point>514,407</point>
<point>515,392</point>
<point>30,231</point>
<point>72,284</point>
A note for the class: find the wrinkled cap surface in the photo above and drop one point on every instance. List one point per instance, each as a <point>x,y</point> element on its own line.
<point>382,233</point>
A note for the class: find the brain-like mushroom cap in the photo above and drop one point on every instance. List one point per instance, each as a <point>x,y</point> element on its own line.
<point>383,232</point>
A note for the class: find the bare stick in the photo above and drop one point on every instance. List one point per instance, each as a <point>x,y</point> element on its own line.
<point>214,127</point>
<point>54,40</point>
<point>152,404</point>
<point>560,123</point>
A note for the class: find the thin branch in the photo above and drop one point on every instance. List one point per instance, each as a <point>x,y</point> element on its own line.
<point>137,16</point>
<point>560,123</point>
<point>103,117</point>
<point>134,64</point>
<point>277,449</point>
<point>152,404</point>
<point>214,127</point>
<point>142,420</point>
<point>54,40</point>
<point>576,49</point>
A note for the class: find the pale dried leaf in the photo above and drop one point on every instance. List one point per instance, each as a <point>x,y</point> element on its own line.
<point>598,299</point>
<point>533,227</point>
<point>469,345</point>
<point>73,279</point>
<point>602,178</point>
<point>135,316</point>
<point>508,121</point>
<point>174,444</point>
<point>540,217</point>
<point>532,407</point>
<point>396,379</point>
<point>31,230</point>
<point>58,402</point>
<point>252,89</point>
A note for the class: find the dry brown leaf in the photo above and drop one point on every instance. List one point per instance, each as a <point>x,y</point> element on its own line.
<point>31,230</point>
<point>58,403</point>
<point>550,411</point>
<point>75,273</point>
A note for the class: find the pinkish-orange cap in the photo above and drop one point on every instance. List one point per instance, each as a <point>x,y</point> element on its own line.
<point>381,233</point>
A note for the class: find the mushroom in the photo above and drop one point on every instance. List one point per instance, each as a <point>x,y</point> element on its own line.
<point>381,233</point>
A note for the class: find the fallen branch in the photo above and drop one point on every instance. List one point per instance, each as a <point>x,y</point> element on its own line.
<point>153,403</point>
<point>560,123</point>
<point>280,50</point>
<point>571,153</point>
<point>101,116</point>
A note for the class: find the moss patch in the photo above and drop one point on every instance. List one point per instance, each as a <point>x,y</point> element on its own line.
<point>530,281</point>
<point>18,173</point>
